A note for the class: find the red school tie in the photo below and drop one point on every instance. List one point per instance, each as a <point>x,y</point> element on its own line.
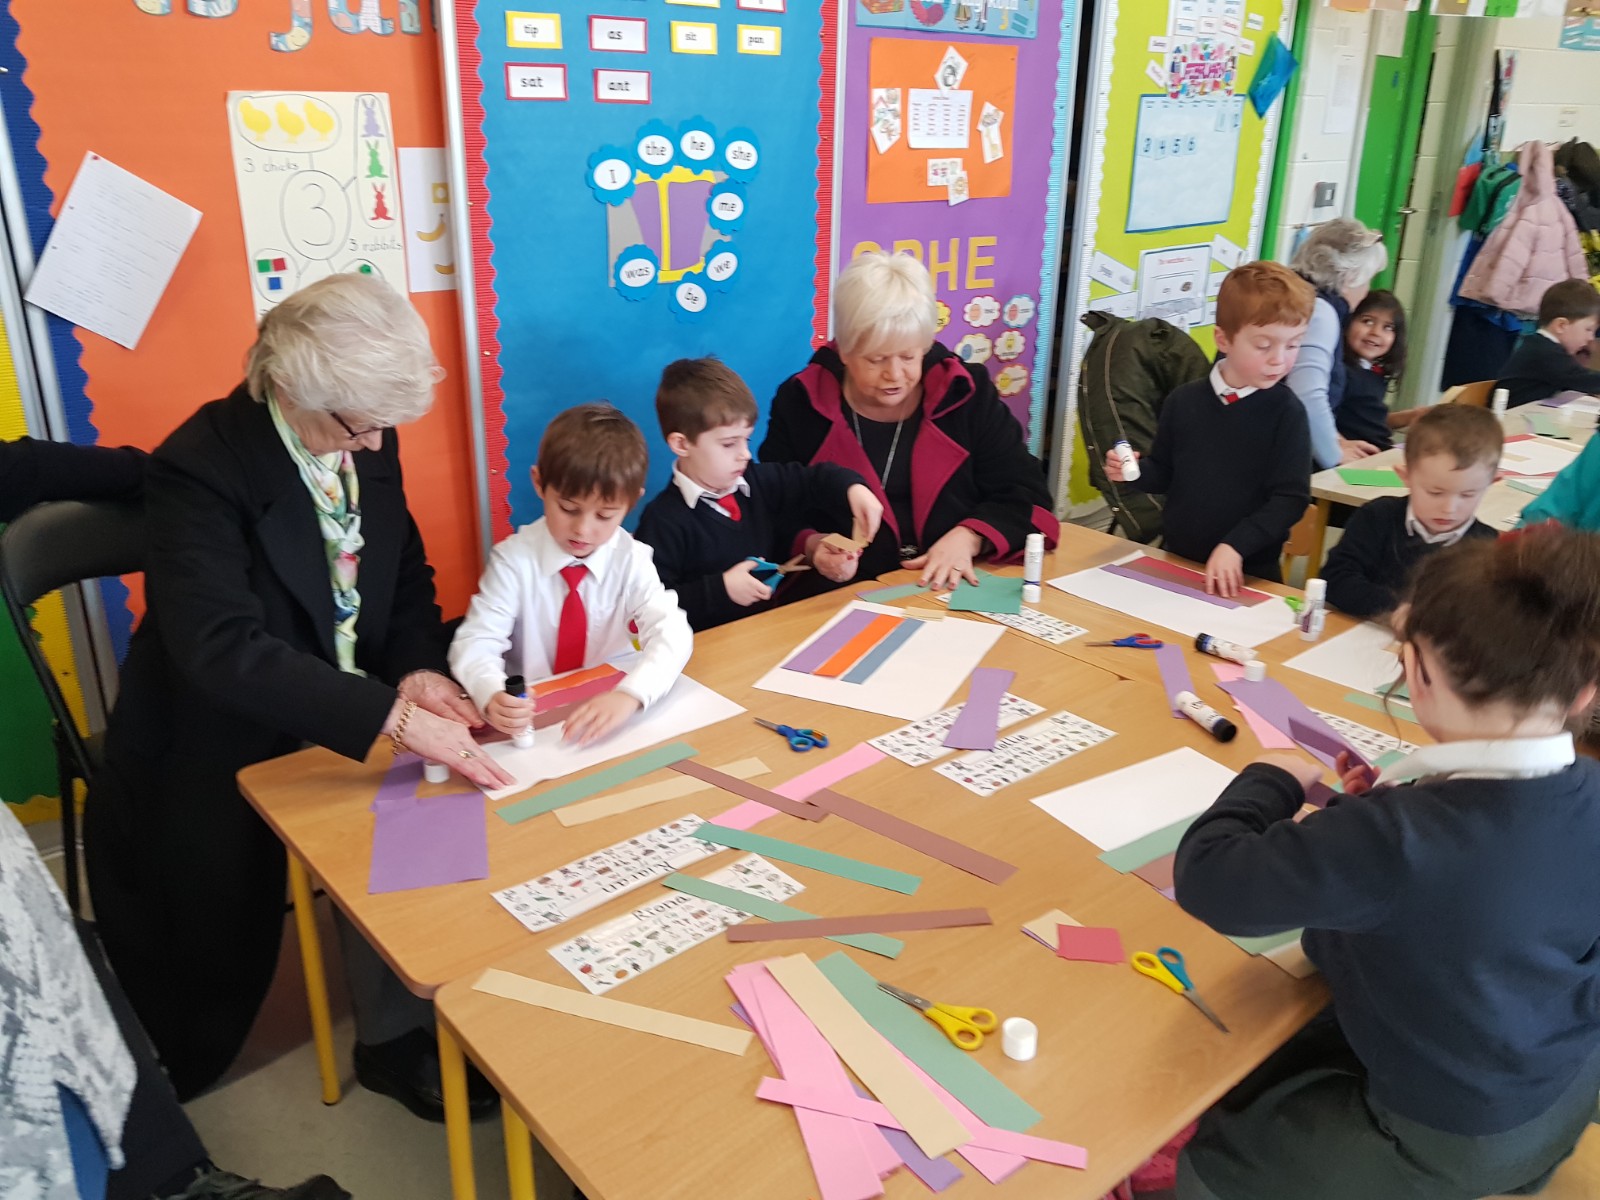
<point>729,504</point>
<point>572,635</point>
<point>1230,397</point>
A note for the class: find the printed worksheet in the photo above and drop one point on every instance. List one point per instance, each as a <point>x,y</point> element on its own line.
<point>922,742</point>
<point>938,120</point>
<point>1018,755</point>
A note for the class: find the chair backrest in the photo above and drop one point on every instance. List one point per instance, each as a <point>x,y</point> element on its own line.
<point>1302,542</point>
<point>52,545</point>
<point>1476,394</point>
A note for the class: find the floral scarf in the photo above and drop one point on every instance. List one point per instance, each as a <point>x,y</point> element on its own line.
<point>336,496</point>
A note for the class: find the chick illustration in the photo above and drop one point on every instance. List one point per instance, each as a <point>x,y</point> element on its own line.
<point>289,121</point>
<point>256,121</point>
<point>319,119</point>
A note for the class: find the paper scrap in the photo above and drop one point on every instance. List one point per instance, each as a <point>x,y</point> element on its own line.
<point>952,68</point>
<point>613,1012</point>
<point>1042,929</point>
<point>420,843</point>
<point>824,775</point>
<point>1158,872</point>
<point>1377,477</point>
<point>1018,755</point>
<point>992,594</point>
<point>1124,805</point>
<point>600,781</point>
<point>924,841</point>
<point>111,252</point>
<point>1089,943</point>
<point>709,889</point>
<point>750,791</point>
<point>938,120</point>
<point>809,856</point>
<point>653,793</point>
<point>922,742</point>
<point>978,725</point>
<point>947,918</point>
<point>1322,742</point>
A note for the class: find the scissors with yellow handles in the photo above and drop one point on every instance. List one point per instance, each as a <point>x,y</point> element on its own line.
<point>963,1026</point>
<point>1166,967</point>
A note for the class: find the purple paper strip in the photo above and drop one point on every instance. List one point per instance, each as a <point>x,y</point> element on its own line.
<point>1322,736</point>
<point>977,725</point>
<point>1281,708</point>
<point>829,644</point>
<point>1170,893</point>
<point>1173,586</point>
<point>1562,399</point>
<point>1318,795</point>
<point>400,781</point>
<point>420,843</point>
<point>1174,673</point>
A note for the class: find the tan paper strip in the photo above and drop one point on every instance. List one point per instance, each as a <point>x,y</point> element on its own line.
<point>613,1012</point>
<point>652,793</point>
<point>869,923</point>
<point>881,1070</point>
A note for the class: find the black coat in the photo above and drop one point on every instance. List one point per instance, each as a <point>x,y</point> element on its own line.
<point>233,664</point>
<point>32,472</point>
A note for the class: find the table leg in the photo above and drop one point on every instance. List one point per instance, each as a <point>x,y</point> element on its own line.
<point>457,1120</point>
<point>519,1154</point>
<point>305,922</point>
<point>1319,537</point>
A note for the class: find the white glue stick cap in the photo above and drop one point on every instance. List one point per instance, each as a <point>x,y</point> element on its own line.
<point>523,739</point>
<point>1255,670</point>
<point>436,773</point>
<point>1019,1038</point>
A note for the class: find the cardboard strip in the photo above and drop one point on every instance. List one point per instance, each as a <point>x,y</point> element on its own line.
<point>924,841</point>
<point>824,775</point>
<point>807,856</point>
<point>869,923</point>
<point>830,640</point>
<point>1062,1154</point>
<point>917,1110</point>
<point>546,687</point>
<point>652,793</point>
<point>977,725</point>
<point>881,625</point>
<point>773,910</point>
<point>613,1012</point>
<point>1175,676</point>
<point>750,791</point>
<point>882,652</point>
<point>600,781</point>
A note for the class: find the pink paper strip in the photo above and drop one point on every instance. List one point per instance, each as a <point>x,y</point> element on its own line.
<point>1268,734</point>
<point>824,775</point>
<point>994,1165</point>
<point>1174,674</point>
<point>1062,1154</point>
<point>1173,586</point>
<point>743,816</point>
<point>977,725</point>
<point>1279,705</point>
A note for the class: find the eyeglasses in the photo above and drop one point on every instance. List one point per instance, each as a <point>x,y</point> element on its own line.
<point>357,434</point>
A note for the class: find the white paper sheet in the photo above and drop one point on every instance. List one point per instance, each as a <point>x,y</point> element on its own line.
<point>112,251</point>
<point>916,681</point>
<point>1149,605</point>
<point>1362,658</point>
<point>425,200</point>
<point>1122,806</point>
<point>1536,456</point>
<point>687,707</point>
<point>938,120</point>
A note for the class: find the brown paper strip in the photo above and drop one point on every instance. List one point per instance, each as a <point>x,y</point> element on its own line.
<point>946,918</point>
<point>896,829</point>
<point>750,791</point>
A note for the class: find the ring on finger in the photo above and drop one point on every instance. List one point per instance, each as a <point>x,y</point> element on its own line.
<point>467,753</point>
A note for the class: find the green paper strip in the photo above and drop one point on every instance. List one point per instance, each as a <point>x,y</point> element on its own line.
<point>1365,700</point>
<point>1384,761</point>
<point>957,1071</point>
<point>1148,848</point>
<point>805,856</point>
<point>1260,945</point>
<point>1530,488</point>
<point>1544,426</point>
<point>771,910</point>
<point>600,781</point>
<point>1370,477</point>
<point>993,594</point>
<point>882,595</point>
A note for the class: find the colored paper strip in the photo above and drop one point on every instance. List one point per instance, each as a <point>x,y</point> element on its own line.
<point>883,651</point>
<point>898,592</point>
<point>842,659</point>
<point>959,1072</point>
<point>750,791</point>
<point>807,856</point>
<point>576,694</point>
<point>977,725</point>
<point>1543,425</point>
<point>1160,568</point>
<point>613,1012</point>
<point>1378,704</point>
<point>630,799</point>
<point>1270,737</point>
<point>948,918</point>
<point>561,683</point>
<point>1377,477</point>
<point>825,775</point>
<point>1158,872</point>
<point>1174,673</point>
<point>772,910</point>
<point>992,594</point>
<point>600,781</point>
<point>1321,739</point>
<point>1148,848</point>
<point>1173,586</point>
<point>744,816</point>
<point>924,841</point>
<point>1278,705</point>
<point>830,640</point>
<point>1090,943</point>
<point>1271,941</point>
<point>420,843</point>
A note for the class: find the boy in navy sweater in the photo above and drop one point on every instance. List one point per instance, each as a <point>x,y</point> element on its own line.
<point>1546,361</point>
<point>721,511</point>
<point>1232,452</point>
<point>1452,904</point>
<point>1451,453</point>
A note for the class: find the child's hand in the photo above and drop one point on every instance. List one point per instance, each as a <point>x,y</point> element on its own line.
<point>1224,571</point>
<point>1305,772</point>
<point>1350,451</point>
<point>599,716</point>
<point>866,511</point>
<point>743,588</point>
<point>1357,777</point>
<point>508,713</point>
<point>1113,466</point>
<point>838,566</point>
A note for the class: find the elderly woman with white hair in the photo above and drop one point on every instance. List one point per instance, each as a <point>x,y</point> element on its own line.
<point>289,601</point>
<point>927,433</point>
<point>1339,258</point>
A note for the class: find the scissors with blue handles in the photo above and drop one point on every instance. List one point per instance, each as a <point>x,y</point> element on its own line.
<point>769,572</point>
<point>963,1026</point>
<point>1134,641</point>
<point>798,739</point>
<point>1166,967</point>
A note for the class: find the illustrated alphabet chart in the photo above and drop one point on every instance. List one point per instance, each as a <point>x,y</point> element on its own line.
<point>1018,755</point>
<point>318,189</point>
<point>1373,743</point>
<point>922,742</point>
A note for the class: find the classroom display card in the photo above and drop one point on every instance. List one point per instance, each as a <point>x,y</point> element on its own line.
<point>590,881</point>
<point>619,950</point>
<point>922,742</point>
<point>1016,756</point>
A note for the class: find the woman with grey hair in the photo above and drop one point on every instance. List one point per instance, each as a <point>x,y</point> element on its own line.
<point>1339,258</point>
<point>289,601</point>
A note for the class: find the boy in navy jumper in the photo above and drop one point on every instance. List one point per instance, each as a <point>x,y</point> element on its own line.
<point>1546,361</point>
<point>721,510</point>
<point>1451,903</point>
<point>1232,452</point>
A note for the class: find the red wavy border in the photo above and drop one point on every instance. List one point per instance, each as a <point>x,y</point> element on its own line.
<point>822,282</point>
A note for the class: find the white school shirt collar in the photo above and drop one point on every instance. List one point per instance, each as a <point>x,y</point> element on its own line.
<point>1502,758</point>
<point>693,493</point>
<point>1220,386</point>
<point>549,556</point>
<point>1449,537</point>
<point>1551,336</point>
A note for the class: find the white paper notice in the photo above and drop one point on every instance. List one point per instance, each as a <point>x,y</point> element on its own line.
<point>886,117</point>
<point>1226,252</point>
<point>112,251</point>
<point>1120,807</point>
<point>1158,74</point>
<point>1344,96</point>
<point>1110,272</point>
<point>1124,305</point>
<point>1253,21</point>
<point>430,240</point>
<point>939,120</point>
<point>1362,658</point>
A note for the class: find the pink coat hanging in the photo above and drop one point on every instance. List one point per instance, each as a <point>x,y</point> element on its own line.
<point>1535,246</point>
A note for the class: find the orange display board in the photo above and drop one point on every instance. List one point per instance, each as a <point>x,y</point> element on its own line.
<point>901,172</point>
<point>147,90</point>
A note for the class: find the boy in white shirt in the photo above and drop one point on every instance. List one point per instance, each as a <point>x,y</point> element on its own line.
<point>571,589</point>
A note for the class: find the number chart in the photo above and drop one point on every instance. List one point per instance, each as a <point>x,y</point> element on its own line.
<point>318,189</point>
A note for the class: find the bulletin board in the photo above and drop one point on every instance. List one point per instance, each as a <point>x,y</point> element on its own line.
<point>1176,166</point>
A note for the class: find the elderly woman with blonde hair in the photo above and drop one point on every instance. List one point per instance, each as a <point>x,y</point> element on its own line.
<point>927,432</point>
<point>289,601</point>
<point>1339,258</point>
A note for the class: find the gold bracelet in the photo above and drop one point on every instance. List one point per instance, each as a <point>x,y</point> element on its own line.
<point>398,734</point>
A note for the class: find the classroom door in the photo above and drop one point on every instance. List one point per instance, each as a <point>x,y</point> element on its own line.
<point>1394,129</point>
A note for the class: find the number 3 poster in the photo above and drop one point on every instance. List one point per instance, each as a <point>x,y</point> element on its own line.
<point>317,189</point>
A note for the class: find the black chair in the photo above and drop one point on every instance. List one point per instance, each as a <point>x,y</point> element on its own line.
<point>47,548</point>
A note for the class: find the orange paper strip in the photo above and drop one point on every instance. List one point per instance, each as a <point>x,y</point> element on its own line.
<point>852,651</point>
<point>547,686</point>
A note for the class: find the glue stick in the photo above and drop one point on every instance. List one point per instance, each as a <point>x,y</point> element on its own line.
<point>1203,715</point>
<point>1033,568</point>
<point>1497,404</point>
<point>518,687</point>
<point>1315,611</point>
<point>1219,648</point>
<point>1126,459</point>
